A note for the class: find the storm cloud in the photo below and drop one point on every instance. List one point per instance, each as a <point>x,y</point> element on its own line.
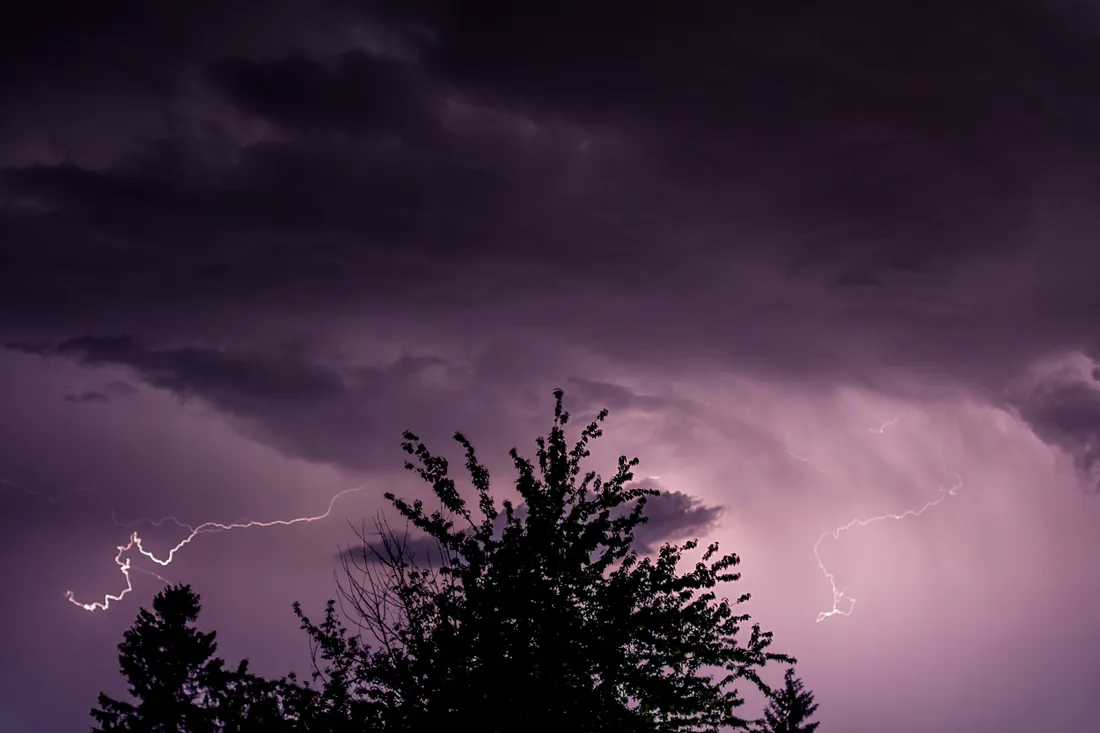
<point>323,412</point>
<point>669,516</point>
<point>247,245</point>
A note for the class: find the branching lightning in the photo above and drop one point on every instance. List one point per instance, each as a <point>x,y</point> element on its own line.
<point>135,543</point>
<point>880,430</point>
<point>124,561</point>
<point>844,604</point>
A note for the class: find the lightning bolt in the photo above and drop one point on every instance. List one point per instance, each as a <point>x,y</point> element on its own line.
<point>840,598</point>
<point>843,604</point>
<point>881,429</point>
<point>804,459</point>
<point>124,562</point>
<point>135,543</point>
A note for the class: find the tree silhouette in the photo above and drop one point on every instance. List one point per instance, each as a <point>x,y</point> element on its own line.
<point>538,616</point>
<point>181,687</point>
<point>544,616</point>
<point>790,708</point>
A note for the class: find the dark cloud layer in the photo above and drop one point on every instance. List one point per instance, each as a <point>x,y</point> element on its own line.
<point>674,515</point>
<point>856,165</point>
<point>670,516</point>
<point>118,388</point>
<point>87,395</point>
<point>329,221</point>
<point>301,408</point>
<point>1065,411</point>
<point>360,93</point>
<point>808,194</point>
<point>338,414</point>
<point>215,373</point>
<point>590,396</point>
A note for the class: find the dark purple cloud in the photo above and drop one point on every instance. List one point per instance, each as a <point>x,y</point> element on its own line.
<point>673,516</point>
<point>670,516</point>
<point>588,396</point>
<point>87,396</point>
<point>359,93</point>
<point>115,389</point>
<point>753,231</point>
<point>892,182</point>
<point>338,414</point>
<point>1064,410</point>
<point>119,388</point>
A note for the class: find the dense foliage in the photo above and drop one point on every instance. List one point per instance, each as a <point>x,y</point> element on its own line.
<point>541,614</point>
<point>790,708</point>
<point>179,686</point>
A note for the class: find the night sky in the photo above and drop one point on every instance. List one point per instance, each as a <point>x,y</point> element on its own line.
<point>822,261</point>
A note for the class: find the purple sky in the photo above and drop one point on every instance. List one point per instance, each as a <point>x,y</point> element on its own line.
<point>242,249</point>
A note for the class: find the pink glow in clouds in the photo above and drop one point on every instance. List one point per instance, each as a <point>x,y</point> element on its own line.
<point>822,276</point>
<point>987,558</point>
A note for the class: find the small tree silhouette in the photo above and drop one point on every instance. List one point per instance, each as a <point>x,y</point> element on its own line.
<point>790,708</point>
<point>541,618</point>
<point>170,667</point>
<point>180,686</point>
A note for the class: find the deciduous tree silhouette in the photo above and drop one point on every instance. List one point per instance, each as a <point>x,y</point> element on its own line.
<point>544,618</point>
<point>181,687</point>
<point>790,708</point>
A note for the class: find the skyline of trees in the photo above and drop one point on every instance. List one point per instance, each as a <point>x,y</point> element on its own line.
<point>541,614</point>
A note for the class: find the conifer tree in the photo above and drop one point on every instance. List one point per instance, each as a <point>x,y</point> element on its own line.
<point>790,708</point>
<point>179,686</point>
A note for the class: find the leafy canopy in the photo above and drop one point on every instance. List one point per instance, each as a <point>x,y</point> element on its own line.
<point>545,616</point>
<point>542,616</point>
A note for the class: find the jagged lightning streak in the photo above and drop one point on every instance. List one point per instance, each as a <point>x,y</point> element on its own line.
<point>839,596</point>
<point>844,604</point>
<point>881,430</point>
<point>135,543</point>
<point>53,499</point>
<point>804,459</point>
